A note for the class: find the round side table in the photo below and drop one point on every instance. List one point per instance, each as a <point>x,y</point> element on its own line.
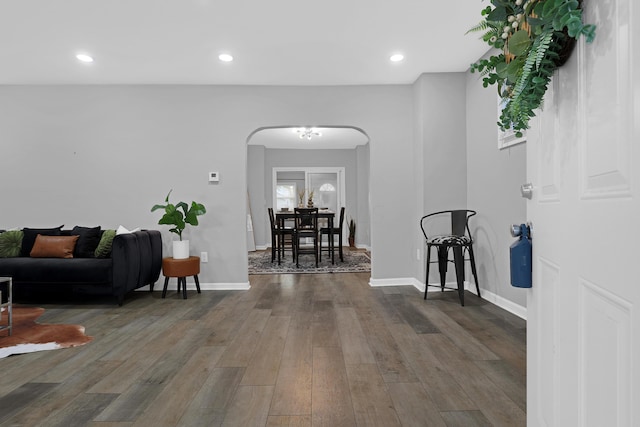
<point>181,268</point>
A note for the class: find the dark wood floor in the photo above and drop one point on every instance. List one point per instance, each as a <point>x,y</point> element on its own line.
<point>295,350</point>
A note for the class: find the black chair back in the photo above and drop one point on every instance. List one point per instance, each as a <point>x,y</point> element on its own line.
<point>341,222</point>
<point>306,220</point>
<point>459,220</point>
<point>272,219</point>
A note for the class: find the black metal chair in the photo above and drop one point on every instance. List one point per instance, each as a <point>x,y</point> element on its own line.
<point>457,238</point>
<point>331,233</point>
<point>278,241</point>
<point>306,226</point>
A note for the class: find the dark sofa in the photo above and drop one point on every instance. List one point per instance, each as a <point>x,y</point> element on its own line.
<point>135,261</point>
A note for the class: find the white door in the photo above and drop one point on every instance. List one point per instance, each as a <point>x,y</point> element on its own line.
<point>583,158</point>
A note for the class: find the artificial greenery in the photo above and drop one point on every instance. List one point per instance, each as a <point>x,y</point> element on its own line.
<point>531,35</point>
<point>173,216</point>
<point>352,228</point>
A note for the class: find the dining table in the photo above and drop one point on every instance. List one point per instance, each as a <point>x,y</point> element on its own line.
<point>329,215</point>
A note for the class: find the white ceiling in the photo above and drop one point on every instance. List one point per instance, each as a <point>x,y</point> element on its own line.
<point>276,42</point>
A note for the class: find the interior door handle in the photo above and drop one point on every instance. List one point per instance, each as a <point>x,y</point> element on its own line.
<point>526,190</point>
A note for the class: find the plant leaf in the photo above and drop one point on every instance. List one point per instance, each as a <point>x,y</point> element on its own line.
<point>184,207</point>
<point>498,14</point>
<point>519,42</point>
<point>192,214</point>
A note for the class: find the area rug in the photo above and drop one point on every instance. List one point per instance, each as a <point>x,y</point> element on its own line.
<point>28,336</point>
<point>354,262</point>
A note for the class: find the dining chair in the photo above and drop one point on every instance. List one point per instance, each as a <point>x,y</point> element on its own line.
<point>278,241</point>
<point>331,233</point>
<point>452,233</point>
<point>306,226</point>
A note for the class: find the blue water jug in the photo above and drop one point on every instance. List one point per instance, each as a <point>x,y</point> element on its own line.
<point>520,254</point>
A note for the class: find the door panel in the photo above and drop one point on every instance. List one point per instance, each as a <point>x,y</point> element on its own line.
<point>325,187</point>
<point>582,149</point>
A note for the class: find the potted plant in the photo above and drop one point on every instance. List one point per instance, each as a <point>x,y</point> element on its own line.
<point>352,233</point>
<point>179,216</point>
<point>310,199</point>
<point>535,37</point>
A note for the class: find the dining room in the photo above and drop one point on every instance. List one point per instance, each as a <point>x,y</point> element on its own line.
<point>326,168</point>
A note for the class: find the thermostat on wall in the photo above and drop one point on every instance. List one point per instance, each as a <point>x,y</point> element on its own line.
<point>214,177</point>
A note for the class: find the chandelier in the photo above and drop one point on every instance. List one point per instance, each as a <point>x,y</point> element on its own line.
<point>307,133</point>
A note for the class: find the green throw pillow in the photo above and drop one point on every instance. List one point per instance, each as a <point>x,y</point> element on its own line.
<point>10,243</point>
<point>104,247</point>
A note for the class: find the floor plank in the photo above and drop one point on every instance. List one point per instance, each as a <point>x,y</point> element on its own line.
<point>292,394</point>
<point>263,367</point>
<point>355,347</point>
<point>240,351</point>
<point>294,350</point>
<point>210,405</point>
<point>289,421</point>
<point>372,404</point>
<point>250,406</point>
<point>414,406</point>
<point>331,402</point>
<point>440,385</point>
<point>170,404</point>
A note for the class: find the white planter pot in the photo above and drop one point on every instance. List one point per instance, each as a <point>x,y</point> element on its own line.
<point>180,249</point>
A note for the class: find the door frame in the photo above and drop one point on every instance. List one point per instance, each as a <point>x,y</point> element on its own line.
<point>339,170</point>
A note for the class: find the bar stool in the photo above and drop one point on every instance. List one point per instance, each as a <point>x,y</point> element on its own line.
<point>453,233</point>
<point>181,268</point>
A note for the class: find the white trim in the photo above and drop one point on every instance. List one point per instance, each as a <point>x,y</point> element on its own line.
<point>263,247</point>
<point>173,285</point>
<point>404,281</point>
<point>501,302</point>
<point>338,170</point>
<point>366,247</point>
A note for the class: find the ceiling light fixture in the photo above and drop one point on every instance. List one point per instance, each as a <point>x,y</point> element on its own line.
<point>396,57</point>
<point>308,133</point>
<point>225,57</point>
<point>82,57</point>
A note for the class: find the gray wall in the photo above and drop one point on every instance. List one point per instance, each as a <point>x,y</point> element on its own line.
<point>363,218</point>
<point>440,152</point>
<point>458,165</point>
<point>105,154</point>
<point>493,187</point>
<point>261,187</point>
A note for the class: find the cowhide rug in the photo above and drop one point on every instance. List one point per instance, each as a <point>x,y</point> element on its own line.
<point>28,336</point>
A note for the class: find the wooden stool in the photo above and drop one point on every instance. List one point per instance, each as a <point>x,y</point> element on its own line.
<point>181,268</point>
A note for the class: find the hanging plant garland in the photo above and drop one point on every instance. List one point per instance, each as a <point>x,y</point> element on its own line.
<point>536,37</point>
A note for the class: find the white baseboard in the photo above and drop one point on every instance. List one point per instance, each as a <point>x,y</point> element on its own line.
<point>173,285</point>
<point>262,247</point>
<point>403,281</point>
<point>501,302</point>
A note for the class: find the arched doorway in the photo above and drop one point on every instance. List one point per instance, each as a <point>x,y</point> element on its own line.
<point>300,157</point>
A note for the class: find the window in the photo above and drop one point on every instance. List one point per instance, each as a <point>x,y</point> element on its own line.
<point>327,187</point>
<point>286,195</point>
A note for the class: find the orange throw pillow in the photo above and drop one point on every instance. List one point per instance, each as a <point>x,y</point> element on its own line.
<point>54,246</point>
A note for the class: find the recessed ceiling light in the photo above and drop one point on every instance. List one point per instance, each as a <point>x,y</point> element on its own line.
<point>396,57</point>
<point>82,57</point>
<point>225,57</point>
